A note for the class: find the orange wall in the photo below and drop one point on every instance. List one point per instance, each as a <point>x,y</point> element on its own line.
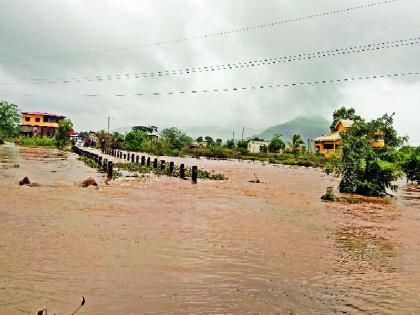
<point>41,122</point>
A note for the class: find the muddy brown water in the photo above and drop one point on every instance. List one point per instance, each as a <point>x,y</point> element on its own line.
<point>153,245</point>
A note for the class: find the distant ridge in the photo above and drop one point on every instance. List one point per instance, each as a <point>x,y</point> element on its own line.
<point>307,127</point>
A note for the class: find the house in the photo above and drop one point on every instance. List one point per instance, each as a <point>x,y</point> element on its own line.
<point>39,124</point>
<point>258,146</point>
<point>199,144</point>
<point>328,143</point>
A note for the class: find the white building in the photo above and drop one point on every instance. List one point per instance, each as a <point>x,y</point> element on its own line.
<point>258,146</point>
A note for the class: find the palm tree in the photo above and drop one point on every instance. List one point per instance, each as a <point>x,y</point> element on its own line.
<point>296,144</point>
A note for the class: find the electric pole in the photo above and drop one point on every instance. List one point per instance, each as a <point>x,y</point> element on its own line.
<point>243,130</point>
<point>109,122</point>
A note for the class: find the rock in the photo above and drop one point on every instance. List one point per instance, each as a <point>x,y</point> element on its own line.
<point>25,181</point>
<point>89,182</point>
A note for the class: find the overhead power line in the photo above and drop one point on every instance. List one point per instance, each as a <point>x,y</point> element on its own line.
<point>252,88</point>
<point>208,35</point>
<point>229,66</point>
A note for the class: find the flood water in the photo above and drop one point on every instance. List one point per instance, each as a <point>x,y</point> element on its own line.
<point>159,245</point>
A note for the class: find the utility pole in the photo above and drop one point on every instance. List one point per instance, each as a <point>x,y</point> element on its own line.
<point>243,130</point>
<point>233,138</point>
<point>309,146</point>
<point>109,122</point>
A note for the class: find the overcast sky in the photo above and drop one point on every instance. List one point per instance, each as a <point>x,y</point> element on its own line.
<point>64,31</point>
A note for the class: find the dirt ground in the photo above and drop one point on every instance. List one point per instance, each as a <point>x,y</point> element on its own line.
<point>160,245</point>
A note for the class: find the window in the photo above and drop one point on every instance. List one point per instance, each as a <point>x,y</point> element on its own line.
<point>45,118</point>
<point>27,118</point>
<point>328,146</point>
<point>37,119</point>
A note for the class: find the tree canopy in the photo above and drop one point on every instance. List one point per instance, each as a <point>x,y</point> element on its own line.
<point>62,135</point>
<point>276,144</point>
<point>344,113</point>
<point>9,119</point>
<point>176,138</point>
<point>364,169</point>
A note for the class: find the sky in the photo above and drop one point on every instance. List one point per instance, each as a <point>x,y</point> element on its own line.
<point>75,41</point>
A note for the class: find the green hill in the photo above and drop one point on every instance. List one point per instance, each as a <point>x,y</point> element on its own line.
<point>307,127</point>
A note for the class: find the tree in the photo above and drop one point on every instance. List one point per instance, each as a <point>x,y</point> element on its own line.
<point>145,129</point>
<point>176,138</point>
<point>276,144</point>
<point>104,139</point>
<point>209,140</point>
<point>219,141</point>
<point>9,119</point>
<point>411,165</point>
<point>366,170</point>
<point>62,135</point>
<point>117,140</point>
<point>199,139</point>
<point>296,144</point>
<point>344,113</point>
<point>230,144</point>
<point>135,139</point>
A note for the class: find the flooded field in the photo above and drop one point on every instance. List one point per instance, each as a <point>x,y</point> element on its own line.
<point>159,245</point>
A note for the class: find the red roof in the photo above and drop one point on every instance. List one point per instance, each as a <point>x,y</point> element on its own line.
<point>43,114</point>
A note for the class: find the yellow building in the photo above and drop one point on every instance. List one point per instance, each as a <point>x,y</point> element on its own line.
<point>39,124</point>
<point>328,143</point>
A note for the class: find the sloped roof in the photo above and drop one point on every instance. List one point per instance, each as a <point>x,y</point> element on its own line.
<point>347,123</point>
<point>333,136</point>
<point>43,114</point>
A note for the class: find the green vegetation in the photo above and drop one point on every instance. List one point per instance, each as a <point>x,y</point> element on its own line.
<point>296,145</point>
<point>410,163</point>
<point>35,141</point>
<point>276,144</point>
<point>9,120</point>
<point>329,194</point>
<point>344,113</point>
<point>366,170</point>
<point>62,135</point>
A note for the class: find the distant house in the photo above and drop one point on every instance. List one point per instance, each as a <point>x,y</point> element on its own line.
<point>199,144</point>
<point>329,143</point>
<point>258,146</point>
<point>39,124</point>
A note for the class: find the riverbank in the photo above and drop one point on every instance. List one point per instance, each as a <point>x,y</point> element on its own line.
<point>162,245</point>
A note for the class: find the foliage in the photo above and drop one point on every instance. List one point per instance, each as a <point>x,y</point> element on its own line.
<point>329,194</point>
<point>242,144</point>
<point>35,141</point>
<point>276,144</point>
<point>230,144</point>
<point>62,135</point>
<point>199,139</point>
<point>217,151</point>
<point>209,140</point>
<point>9,119</point>
<point>117,140</point>
<point>296,144</point>
<point>134,140</point>
<point>145,129</point>
<point>366,170</point>
<point>411,165</point>
<point>83,134</point>
<point>344,113</point>
<point>176,138</point>
<point>219,141</point>
<point>104,139</point>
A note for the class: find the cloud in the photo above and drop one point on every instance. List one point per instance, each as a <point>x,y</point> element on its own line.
<point>33,29</point>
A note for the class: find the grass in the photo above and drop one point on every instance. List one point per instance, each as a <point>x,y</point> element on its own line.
<point>34,141</point>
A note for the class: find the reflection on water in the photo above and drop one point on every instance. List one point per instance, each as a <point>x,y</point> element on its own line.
<point>164,246</point>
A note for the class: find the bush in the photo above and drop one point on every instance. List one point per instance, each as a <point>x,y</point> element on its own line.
<point>35,141</point>
<point>329,194</point>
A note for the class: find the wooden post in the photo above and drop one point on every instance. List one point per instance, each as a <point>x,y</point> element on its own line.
<point>171,168</point>
<point>148,161</point>
<point>194,174</point>
<point>143,160</point>
<point>110,166</point>
<point>132,158</point>
<point>162,164</point>
<point>155,163</point>
<point>104,165</point>
<point>182,171</point>
<point>137,159</point>
<point>128,156</point>
<point>125,156</point>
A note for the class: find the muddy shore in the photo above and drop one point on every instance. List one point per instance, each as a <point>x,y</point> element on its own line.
<point>160,245</point>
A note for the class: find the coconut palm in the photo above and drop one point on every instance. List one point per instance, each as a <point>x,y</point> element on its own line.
<point>296,144</point>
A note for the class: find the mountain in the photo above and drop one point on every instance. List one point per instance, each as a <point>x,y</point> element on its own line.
<point>307,127</point>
